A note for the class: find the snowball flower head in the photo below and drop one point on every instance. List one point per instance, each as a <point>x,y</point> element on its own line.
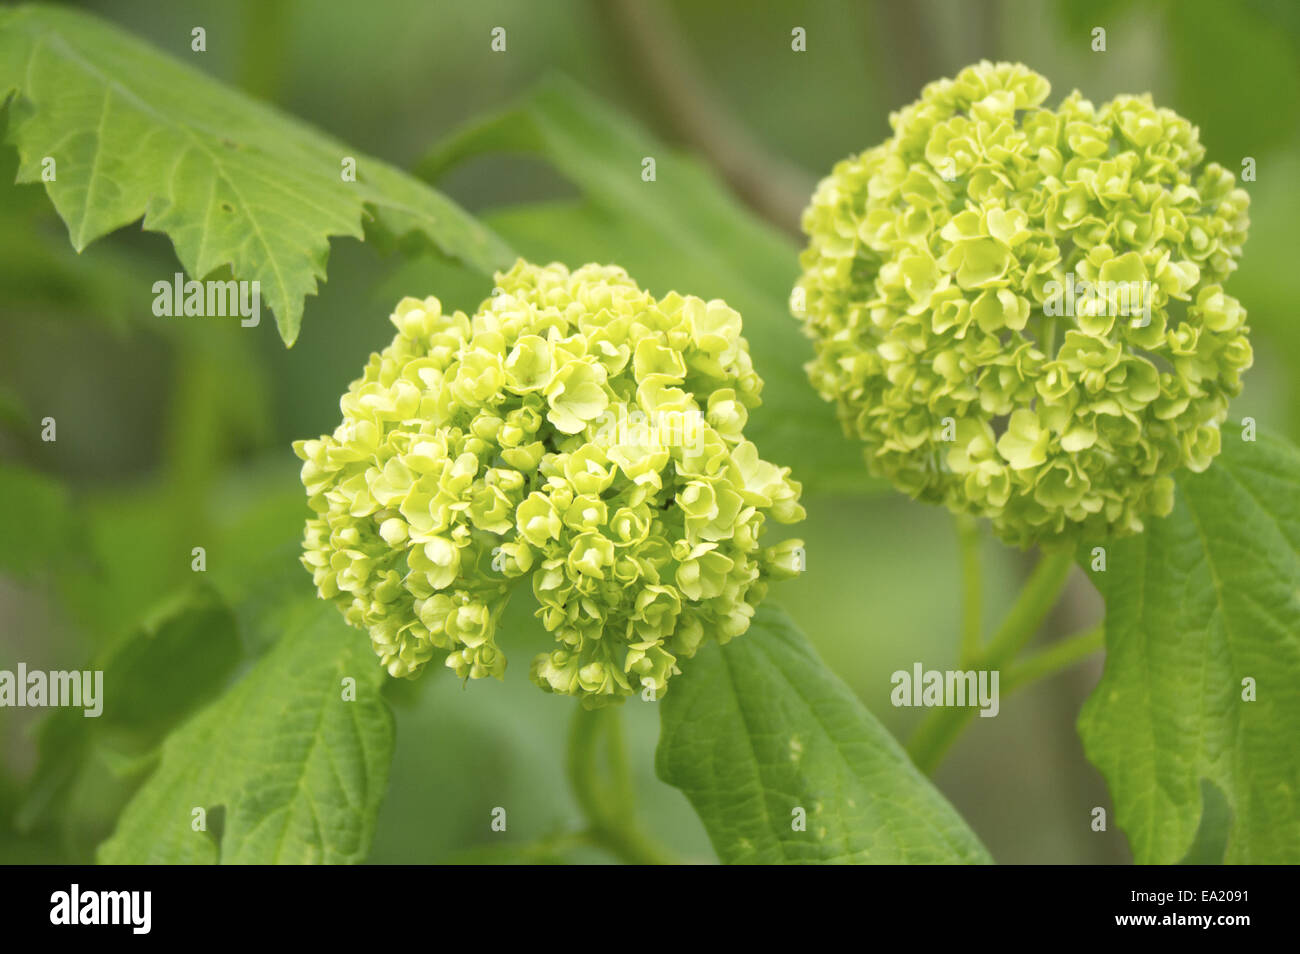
<point>1020,311</point>
<point>575,432</point>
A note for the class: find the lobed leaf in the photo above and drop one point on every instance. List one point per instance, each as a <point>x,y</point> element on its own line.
<point>234,183</point>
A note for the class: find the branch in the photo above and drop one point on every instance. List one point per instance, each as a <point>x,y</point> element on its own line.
<point>606,804</point>
<point>648,43</point>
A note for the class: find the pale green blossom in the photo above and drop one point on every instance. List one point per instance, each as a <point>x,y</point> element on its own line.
<point>934,289</point>
<point>476,452</point>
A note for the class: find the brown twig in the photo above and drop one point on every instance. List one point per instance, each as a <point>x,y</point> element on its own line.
<point>905,44</point>
<point>644,38</point>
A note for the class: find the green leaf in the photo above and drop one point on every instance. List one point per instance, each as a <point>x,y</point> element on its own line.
<point>177,659</point>
<point>1204,599</point>
<point>681,232</point>
<point>287,770</point>
<point>234,183</point>
<point>759,727</point>
<point>44,277</point>
<point>37,516</point>
<point>173,662</point>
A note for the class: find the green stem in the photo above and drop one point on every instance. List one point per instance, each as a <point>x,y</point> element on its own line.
<point>968,537</point>
<point>620,773</point>
<point>1030,609</point>
<point>1059,656</point>
<point>935,734</point>
<point>941,727</point>
<point>607,804</point>
<point>1049,336</point>
<point>552,849</point>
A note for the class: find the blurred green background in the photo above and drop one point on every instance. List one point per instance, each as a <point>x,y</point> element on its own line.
<point>175,431</point>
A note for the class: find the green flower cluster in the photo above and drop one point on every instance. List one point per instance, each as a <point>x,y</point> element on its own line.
<point>574,430</point>
<point>944,288</point>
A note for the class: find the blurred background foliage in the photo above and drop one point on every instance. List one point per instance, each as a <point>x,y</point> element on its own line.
<point>174,433</point>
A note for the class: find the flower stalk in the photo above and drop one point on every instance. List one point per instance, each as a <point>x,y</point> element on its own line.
<point>606,799</point>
